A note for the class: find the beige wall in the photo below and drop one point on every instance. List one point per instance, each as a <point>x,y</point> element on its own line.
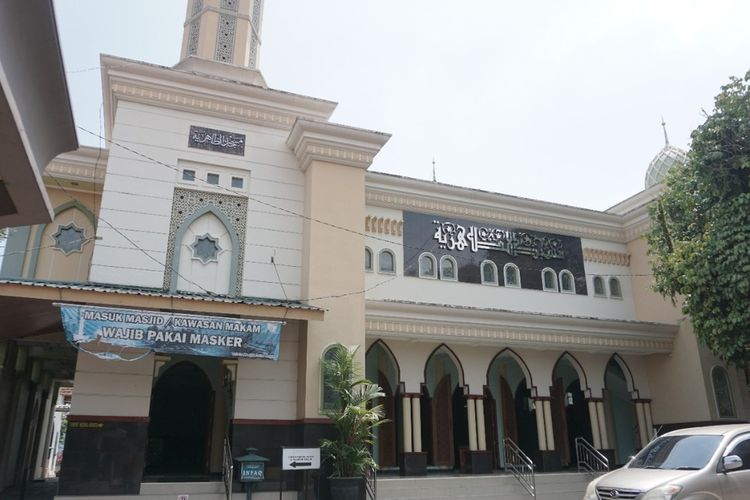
<point>333,260</point>
<point>677,380</point>
<point>266,389</point>
<point>112,388</point>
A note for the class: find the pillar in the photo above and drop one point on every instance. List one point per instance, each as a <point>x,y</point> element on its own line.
<point>481,433</point>
<point>416,423</point>
<point>602,424</point>
<point>406,423</point>
<point>540,426</point>
<point>594,424</point>
<point>472,418</point>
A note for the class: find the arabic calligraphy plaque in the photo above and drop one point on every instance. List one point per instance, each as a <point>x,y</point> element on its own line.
<point>216,140</point>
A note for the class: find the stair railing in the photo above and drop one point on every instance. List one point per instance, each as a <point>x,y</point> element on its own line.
<point>520,465</point>
<point>589,459</point>
<point>227,469</point>
<point>371,483</point>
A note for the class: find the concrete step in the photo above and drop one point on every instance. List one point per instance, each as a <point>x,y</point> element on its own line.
<point>556,486</point>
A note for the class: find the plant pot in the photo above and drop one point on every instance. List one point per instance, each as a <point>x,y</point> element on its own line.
<point>347,488</point>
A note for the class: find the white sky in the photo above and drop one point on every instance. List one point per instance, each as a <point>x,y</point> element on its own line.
<point>553,100</point>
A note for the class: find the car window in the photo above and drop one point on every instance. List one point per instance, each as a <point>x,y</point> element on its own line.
<point>741,449</point>
<point>677,452</point>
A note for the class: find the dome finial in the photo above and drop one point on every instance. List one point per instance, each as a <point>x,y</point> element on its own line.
<point>664,126</point>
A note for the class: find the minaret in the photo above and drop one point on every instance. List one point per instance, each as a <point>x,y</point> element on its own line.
<point>225,32</point>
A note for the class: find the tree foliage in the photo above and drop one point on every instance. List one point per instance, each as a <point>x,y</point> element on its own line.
<point>354,414</point>
<point>700,235</point>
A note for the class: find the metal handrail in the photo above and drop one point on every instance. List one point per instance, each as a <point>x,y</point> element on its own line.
<point>228,469</point>
<point>589,459</point>
<point>520,465</point>
<point>371,483</point>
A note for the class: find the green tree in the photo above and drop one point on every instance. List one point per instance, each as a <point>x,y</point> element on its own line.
<point>354,414</point>
<point>700,236</point>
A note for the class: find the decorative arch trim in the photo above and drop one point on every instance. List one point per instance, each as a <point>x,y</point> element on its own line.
<point>510,353</point>
<point>234,265</point>
<point>629,380</point>
<point>576,366</point>
<point>456,361</point>
<point>392,357</point>
<point>37,243</point>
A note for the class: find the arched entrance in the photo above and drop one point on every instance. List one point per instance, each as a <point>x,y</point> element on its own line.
<point>570,415</point>
<point>444,420</point>
<point>509,412</point>
<point>181,421</point>
<point>622,425</point>
<point>381,368</point>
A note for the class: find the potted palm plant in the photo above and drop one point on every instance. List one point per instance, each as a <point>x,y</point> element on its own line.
<point>354,413</point>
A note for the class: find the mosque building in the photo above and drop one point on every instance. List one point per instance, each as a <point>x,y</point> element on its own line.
<point>205,261</point>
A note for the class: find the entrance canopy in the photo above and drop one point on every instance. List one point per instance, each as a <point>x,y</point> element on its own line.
<point>27,307</point>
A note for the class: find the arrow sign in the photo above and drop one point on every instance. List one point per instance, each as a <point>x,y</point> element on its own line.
<point>300,458</point>
<point>297,465</point>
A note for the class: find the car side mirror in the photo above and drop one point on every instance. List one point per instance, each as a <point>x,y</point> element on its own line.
<point>731,462</point>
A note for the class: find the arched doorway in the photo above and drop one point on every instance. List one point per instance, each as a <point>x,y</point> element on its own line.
<point>381,368</point>
<point>570,415</point>
<point>622,424</point>
<point>509,412</point>
<point>444,420</point>
<point>180,421</point>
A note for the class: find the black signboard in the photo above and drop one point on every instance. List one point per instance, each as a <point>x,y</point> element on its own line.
<point>470,243</point>
<point>216,140</point>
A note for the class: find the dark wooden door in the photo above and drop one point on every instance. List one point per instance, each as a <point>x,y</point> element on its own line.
<point>442,423</point>
<point>508,406</point>
<point>387,431</point>
<point>559,421</point>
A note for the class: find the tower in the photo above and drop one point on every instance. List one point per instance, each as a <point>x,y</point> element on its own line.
<point>222,38</point>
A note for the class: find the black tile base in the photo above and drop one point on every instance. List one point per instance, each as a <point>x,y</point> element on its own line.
<point>413,464</point>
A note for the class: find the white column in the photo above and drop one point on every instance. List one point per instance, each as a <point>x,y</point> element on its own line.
<point>594,425</point>
<point>406,424</point>
<point>641,423</point>
<point>416,422</point>
<point>472,418</point>
<point>548,425</point>
<point>603,425</point>
<point>540,427</point>
<point>649,421</point>
<point>481,434</point>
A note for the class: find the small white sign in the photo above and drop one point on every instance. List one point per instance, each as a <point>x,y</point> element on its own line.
<point>300,458</point>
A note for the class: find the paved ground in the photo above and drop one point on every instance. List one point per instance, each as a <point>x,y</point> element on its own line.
<point>36,490</point>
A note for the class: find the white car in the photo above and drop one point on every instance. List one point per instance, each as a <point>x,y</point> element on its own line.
<point>689,464</point>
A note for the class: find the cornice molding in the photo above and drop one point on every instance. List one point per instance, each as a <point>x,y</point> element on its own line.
<point>174,88</point>
<point>441,323</point>
<point>86,165</point>
<point>606,257</point>
<point>404,193</point>
<point>330,142</point>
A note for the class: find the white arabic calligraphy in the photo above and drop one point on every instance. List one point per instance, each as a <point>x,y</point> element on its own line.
<point>217,139</point>
<point>454,236</point>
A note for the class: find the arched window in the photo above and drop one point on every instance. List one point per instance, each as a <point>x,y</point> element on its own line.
<point>427,266</point>
<point>327,394</point>
<point>599,290</point>
<point>722,392</point>
<point>549,280</point>
<point>386,262</point>
<point>614,288</point>
<point>489,273</point>
<point>567,283</point>
<point>368,259</point>
<point>512,275</point>
<point>448,268</point>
